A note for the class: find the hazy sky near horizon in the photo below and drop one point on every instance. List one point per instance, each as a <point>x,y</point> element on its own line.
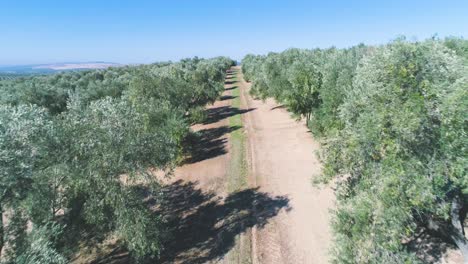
<point>141,31</point>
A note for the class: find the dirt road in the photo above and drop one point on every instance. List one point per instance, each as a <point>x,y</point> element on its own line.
<point>283,163</point>
<point>246,195</point>
<point>198,188</point>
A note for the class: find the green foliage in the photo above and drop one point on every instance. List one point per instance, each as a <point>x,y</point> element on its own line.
<point>306,81</point>
<point>198,115</point>
<point>76,148</point>
<point>23,138</point>
<point>40,247</point>
<point>459,45</point>
<point>392,120</point>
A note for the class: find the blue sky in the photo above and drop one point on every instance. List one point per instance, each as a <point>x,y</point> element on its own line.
<point>140,31</point>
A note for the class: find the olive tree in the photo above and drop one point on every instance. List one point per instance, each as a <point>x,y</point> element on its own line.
<point>305,82</point>
<point>396,172</point>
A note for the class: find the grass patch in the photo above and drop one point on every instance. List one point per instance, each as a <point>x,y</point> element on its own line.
<point>237,176</point>
<point>238,165</point>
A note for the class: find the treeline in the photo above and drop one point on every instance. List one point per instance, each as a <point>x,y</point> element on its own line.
<point>76,149</point>
<point>392,120</point>
<point>8,76</point>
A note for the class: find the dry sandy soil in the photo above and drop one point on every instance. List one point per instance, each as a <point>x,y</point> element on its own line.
<point>198,188</point>
<point>284,163</point>
<point>211,209</point>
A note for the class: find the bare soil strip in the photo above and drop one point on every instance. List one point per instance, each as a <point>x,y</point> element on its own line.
<point>283,163</point>
<point>198,188</point>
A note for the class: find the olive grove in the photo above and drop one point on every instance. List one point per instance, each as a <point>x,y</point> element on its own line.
<point>392,120</point>
<point>76,148</point>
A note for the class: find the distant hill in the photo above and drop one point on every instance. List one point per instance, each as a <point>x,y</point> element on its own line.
<point>55,67</point>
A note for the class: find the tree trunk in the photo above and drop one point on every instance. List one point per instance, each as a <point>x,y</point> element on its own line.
<point>454,229</point>
<point>457,234</point>
<point>2,231</point>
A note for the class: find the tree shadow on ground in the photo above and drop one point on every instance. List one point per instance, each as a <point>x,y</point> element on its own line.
<point>230,88</point>
<point>207,143</point>
<point>118,255</point>
<point>203,227</point>
<point>199,226</point>
<point>278,107</point>
<point>219,113</point>
<point>227,97</point>
<point>429,246</point>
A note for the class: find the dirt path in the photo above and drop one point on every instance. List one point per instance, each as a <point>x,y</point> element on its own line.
<point>209,206</point>
<point>283,163</point>
<point>198,185</point>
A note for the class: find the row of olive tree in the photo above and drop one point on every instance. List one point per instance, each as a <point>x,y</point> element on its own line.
<point>75,149</point>
<point>393,123</point>
<point>8,76</point>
